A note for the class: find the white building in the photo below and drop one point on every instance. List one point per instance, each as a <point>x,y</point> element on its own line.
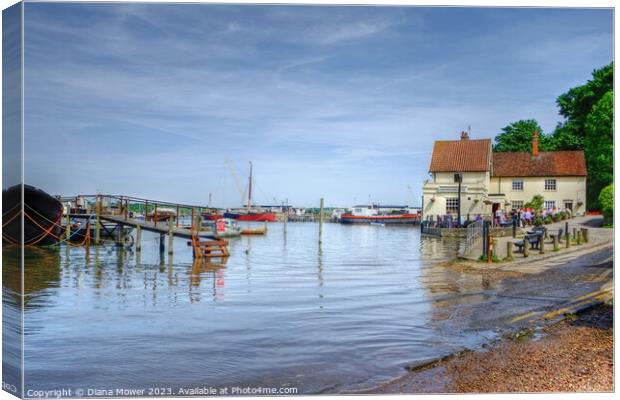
<point>501,180</point>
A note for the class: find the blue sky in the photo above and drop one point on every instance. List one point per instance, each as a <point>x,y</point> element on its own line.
<point>336,102</point>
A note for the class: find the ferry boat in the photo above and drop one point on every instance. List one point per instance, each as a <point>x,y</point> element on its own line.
<point>42,216</point>
<point>366,214</point>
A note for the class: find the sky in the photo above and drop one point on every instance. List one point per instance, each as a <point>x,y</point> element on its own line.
<point>344,103</point>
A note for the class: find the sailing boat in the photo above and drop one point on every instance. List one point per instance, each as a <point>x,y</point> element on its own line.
<point>251,213</point>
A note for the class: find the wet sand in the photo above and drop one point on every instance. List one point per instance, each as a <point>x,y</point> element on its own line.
<point>574,355</point>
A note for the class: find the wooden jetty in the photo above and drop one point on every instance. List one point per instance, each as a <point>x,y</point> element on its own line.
<point>126,210</point>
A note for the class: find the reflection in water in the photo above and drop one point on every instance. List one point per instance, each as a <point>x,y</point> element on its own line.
<point>207,269</point>
<point>281,309</point>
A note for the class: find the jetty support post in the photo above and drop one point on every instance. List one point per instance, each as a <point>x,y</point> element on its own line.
<point>98,220</point>
<point>68,227</point>
<point>162,239</point>
<point>171,235</point>
<point>578,237</point>
<point>138,238</point>
<point>178,215</point>
<point>584,233</point>
<point>119,234</point>
<point>321,221</point>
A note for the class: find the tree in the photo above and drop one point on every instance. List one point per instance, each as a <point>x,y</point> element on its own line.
<point>518,137</point>
<point>588,126</point>
<point>606,200</point>
<point>598,144</point>
<point>536,204</point>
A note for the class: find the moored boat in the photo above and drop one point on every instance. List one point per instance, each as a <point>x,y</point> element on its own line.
<point>373,214</point>
<point>251,213</point>
<point>225,228</point>
<point>41,218</point>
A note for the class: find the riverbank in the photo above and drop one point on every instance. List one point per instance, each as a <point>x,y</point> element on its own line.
<point>573,355</point>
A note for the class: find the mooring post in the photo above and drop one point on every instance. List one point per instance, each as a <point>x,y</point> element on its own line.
<point>98,220</point>
<point>574,233</point>
<point>138,238</point>
<point>68,227</point>
<point>541,245</point>
<point>526,248</point>
<point>161,243</point>
<point>556,245</point>
<point>155,215</point>
<point>321,222</point>
<point>578,237</point>
<point>567,240</point>
<point>584,232</point>
<point>509,250</point>
<point>514,228</point>
<point>170,235</point>
<point>119,234</point>
<point>566,229</point>
<point>178,215</point>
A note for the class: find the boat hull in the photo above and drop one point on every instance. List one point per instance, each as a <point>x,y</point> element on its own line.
<point>397,219</point>
<point>257,217</point>
<point>41,220</point>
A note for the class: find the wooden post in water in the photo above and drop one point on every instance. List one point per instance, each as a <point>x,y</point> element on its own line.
<point>68,227</point>
<point>161,243</point>
<point>138,238</point>
<point>541,244</point>
<point>556,245</point>
<point>574,232</point>
<point>155,215</point>
<point>171,235</point>
<point>509,250</point>
<point>526,248</point>
<point>98,220</point>
<point>178,215</point>
<point>567,240</point>
<point>578,237</point>
<point>321,222</point>
<point>566,229</point>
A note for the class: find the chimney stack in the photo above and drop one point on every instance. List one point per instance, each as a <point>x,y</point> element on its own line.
<point>464,135</point>
<point>535,144</point>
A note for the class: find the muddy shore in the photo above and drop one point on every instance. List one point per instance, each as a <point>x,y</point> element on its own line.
<point>574,355</point>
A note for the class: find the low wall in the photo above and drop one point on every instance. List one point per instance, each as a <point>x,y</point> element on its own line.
<point>462,232</point>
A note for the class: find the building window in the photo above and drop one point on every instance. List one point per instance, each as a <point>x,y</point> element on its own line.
<point>517,204</point>
<point>452,205</point>
<point>568,205</point>
<point>517,185</point>
<point>549,204</point>
<point>550,184</point>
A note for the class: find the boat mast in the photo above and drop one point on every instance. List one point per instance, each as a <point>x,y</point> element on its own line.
<point>250,189</point>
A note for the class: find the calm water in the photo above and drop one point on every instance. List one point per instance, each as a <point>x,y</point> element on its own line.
<point>281,311</point>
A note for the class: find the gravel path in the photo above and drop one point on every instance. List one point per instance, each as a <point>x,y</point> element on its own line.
<point>571,356</point>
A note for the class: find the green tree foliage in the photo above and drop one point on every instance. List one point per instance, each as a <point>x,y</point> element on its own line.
<point>518,137</point>
<point>536,204</point>
<point>598,144</point>
<point>606,200</point>
<point>588,125</point>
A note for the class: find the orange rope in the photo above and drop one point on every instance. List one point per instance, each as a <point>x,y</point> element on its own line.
<point>11,219</point>
<point>46,232</point>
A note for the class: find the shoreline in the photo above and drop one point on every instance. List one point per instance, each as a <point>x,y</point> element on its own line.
<point>574,354</point>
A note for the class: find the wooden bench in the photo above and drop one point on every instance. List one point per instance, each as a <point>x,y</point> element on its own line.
<point>532,239</point>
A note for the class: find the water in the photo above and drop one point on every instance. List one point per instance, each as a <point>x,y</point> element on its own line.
<point>281,311</point>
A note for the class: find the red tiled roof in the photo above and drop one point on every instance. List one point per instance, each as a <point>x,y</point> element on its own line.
<point>461,155</point>
<point>552,163</point>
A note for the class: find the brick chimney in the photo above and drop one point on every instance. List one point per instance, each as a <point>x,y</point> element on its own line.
<point>464,135</point>
<point>535,144</point>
